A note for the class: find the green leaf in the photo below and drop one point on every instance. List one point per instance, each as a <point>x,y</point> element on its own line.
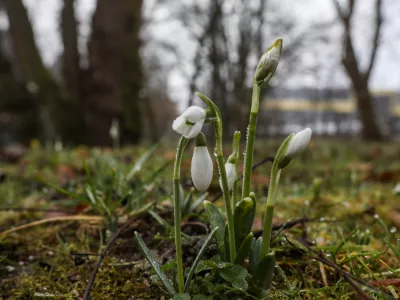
<point>187,202</point>
<point>68,193</point>
<point>202,297</point>
<point>198,257</point>
<point>163,277</point>
<point>255,254</point>
<point>244,249</point>
<point>140,162</point>
<point>396,251</point>
<point>198,201</point>
<point>160,220</point>
<point>243,219</point>
<point>182,297</point>
<point>226,253</point>
<point>233,273</point>
<point>216,220</point>
<point>240,284</point>
<point>265,271</point>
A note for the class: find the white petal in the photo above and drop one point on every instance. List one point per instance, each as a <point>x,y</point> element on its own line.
<point>396,189</point>
<point>202,168</point>
<point>230,174</point>
<point>194,114</point>
<point>178,124</point>
<point>298,143</point>
<point>194,130</point>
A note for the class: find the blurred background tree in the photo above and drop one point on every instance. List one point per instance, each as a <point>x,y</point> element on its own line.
<point>142,61</point>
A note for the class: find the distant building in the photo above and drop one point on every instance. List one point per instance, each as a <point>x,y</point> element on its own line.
<point>326,111</point>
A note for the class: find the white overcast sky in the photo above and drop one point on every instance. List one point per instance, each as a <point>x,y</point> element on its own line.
<point>386,75</point>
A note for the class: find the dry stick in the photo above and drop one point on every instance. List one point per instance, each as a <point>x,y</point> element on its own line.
<point>54,219</point>
<point>30,209</point>
<point>86,295</point>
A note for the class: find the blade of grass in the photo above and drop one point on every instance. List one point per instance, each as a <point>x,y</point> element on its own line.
<point>140,162</point>
<point>72,195</point>
<point>163,277</point>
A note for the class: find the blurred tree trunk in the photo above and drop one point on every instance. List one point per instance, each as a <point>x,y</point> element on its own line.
<point>115,70</point>
<point>39,80</point>
<point>18,113</point>
<point>71,70</point>
<point>242,93</point>
<point>370,127</point>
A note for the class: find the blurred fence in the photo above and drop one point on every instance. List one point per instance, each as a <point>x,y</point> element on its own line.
<point>327,112</point>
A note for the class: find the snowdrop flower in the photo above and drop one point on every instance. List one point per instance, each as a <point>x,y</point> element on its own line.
<point>396,190</point>
<point>202,165</point>
<point>268,63</point>
<point>296,145</point>
<point>114,129</point>
<point>230,173</point>
<point>190,122</point>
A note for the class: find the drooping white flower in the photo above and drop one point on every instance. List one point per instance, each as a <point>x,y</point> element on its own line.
<point>190,122</point>
<point>114,129</point>
<point>202,168</point>
<point>298,143</point>
<point>268,63</point>
<point>230,173</point>
<point>396,190</point>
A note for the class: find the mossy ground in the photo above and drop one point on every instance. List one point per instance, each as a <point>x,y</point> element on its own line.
<point>356,193</point>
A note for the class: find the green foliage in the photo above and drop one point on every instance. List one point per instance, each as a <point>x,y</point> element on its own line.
<point>156,267</point>
<point>243,217</point>
<point>216,221</point>
<point>111,191</point>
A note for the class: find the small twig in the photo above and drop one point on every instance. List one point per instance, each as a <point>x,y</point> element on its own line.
<point>292,223</point>
<point>44,210</point>
<point>323,274</point>
<point>86,295</point>
<point>97,219</point>
<point>198,224</point>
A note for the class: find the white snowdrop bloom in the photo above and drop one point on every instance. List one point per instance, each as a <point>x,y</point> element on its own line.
<point>114,129</point>
<point>230,174</point>
<point>298,143</point>
<point>190,122</point>
<point>202,168</point>
<point>396,190</point>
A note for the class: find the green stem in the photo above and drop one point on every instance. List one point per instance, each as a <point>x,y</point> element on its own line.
<point>272,193</point>
<point>251,135</point>
<point>228,207</point>
<point>266,237</point>
<point>236,150</point>
<point>222,172</point>
<point>177,211</point>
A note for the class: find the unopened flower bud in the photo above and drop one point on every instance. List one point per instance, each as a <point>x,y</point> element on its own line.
<point>202,166</point>
<point>268,63</point>
<point>296,145</point>
<point>230,173</point>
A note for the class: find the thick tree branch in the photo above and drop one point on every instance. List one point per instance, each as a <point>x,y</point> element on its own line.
<point>377,33</point>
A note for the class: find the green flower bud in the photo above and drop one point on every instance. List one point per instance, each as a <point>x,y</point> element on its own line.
<point>268,63</point>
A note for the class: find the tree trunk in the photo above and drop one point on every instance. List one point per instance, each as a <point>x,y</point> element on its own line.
<point>365,107</point>
<point>18,114</point>
<point>359,78</point>
<point>71,71</point>
<point>115,71</point>
<point>33,71</point>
